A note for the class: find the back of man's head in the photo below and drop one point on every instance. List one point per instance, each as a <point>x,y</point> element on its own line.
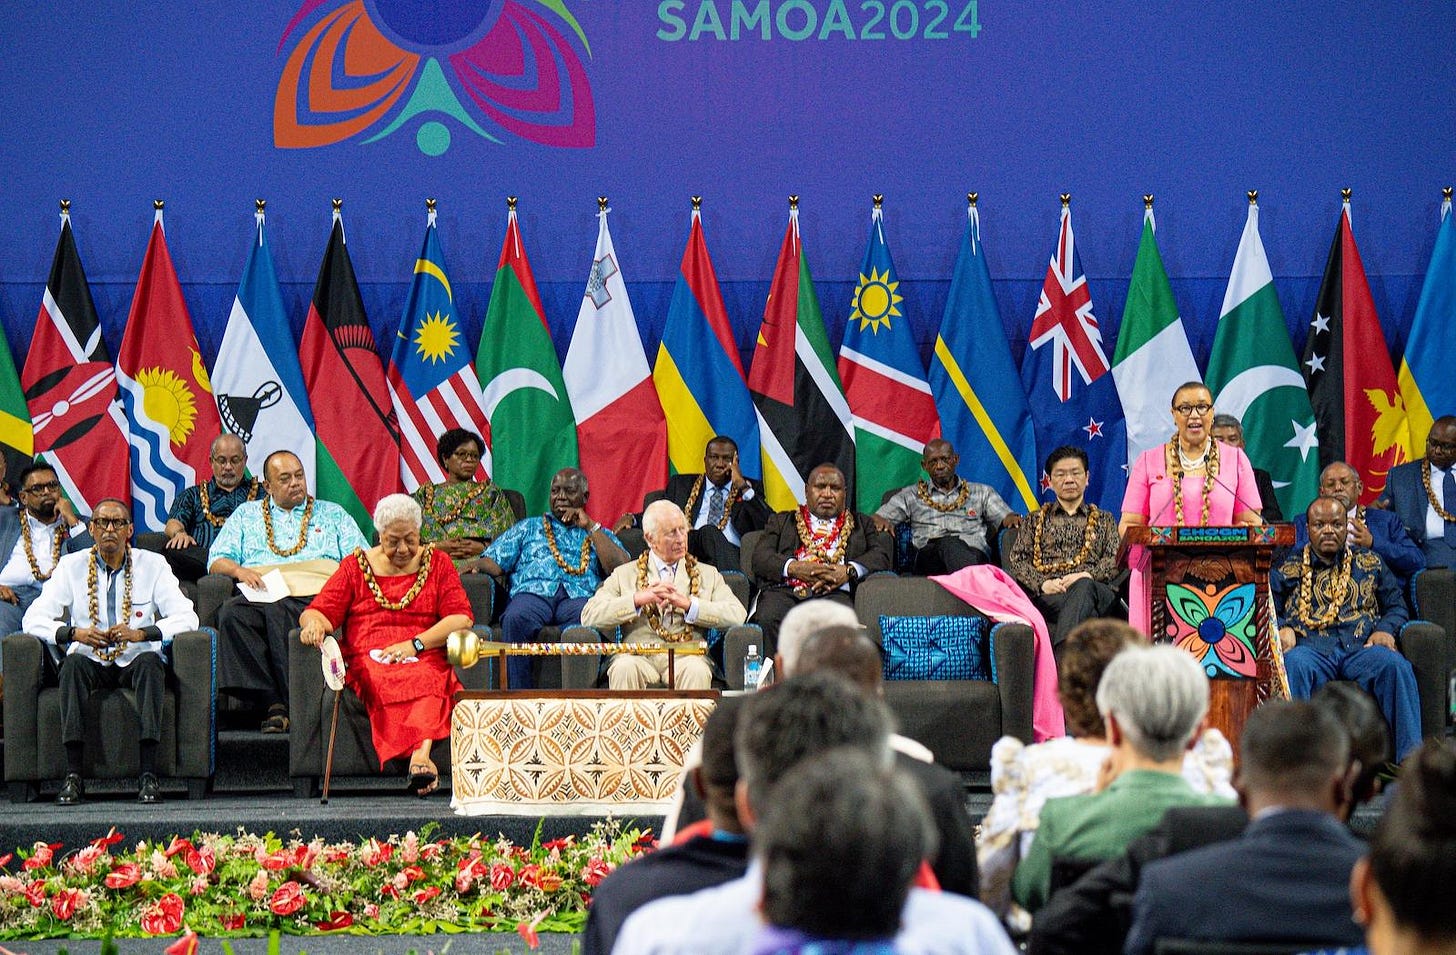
<point>1293,753</point>
<point>1413,852</point>
<point>1364,726</point>
<point>847,651</point>
<point>840,844</point>
<point>803,620</point>
<point>799,718</point>
<point>1158,695</point>
<point>718,775</point>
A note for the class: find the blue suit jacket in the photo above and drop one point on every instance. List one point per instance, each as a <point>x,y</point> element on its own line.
<point>1287,878</point>
<point>10,535</point>
<point>1405,493</point>
<point>1388,538</point>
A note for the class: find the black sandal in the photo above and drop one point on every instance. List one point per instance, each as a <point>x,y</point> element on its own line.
<point>276,721</point>
<point>422,781</point>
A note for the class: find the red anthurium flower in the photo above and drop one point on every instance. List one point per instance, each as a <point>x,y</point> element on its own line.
<point>557,844</point>
<point>110,839</point>
<point>501,876</point>
<point>426,894</point>
<point>35,893</point>
<point>41,855</point>
<point>124,875</point>
<point>527,931</point>
<point>65,902</point>
<point>202,861</point>
<point>178,845</point>
<point>412,873</point>
<point>5,859</point>
<point>232,922</point>
<point>186,945</point>
<point>530,875</point>
<point>337,920</point>
<point>165,917</point>
<point>287,900</point>
<point>596,871</point>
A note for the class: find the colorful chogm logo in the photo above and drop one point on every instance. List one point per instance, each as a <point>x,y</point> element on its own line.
<point>370,68</point>
<point>1216,625</point>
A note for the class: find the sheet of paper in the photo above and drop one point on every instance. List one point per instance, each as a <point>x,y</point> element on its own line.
<point>275,588</point>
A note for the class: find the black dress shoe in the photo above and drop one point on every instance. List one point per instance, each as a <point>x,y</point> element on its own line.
<point>149,790</point>
<point>73,791</point>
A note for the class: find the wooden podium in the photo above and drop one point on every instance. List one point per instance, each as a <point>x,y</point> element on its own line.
<point>1208,593</point>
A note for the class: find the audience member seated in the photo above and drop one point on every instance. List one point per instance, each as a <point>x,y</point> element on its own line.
<point>301,537</point>
<point>1422,493</point>
<point>819,550</point>
<point>32,540</point>
<point>1381,531</point>
<point>1401,891</point>
<point>1230,431</point>
<point>396,603</point>
<point>1339,610</point>
<point>952,521</point>
<point>1065,554</point>
<point>839,846</point>
<point>1024,777</point>
<point>721,505</point>
<point>555,564</point>
<point>1287,877</point>
<point>666,596</point>
<point>1153,701</point>
<point>777,730</point>
<point>7,490</point>
<point>123,606</point>
<point>461,514</point>
<point>699,862</point>
<point>199,512</point>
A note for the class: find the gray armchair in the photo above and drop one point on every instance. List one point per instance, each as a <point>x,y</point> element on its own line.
<point>207,594</point>
<point>1433,595</point>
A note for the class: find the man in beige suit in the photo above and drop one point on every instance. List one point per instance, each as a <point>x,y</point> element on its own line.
<point>665,596</point>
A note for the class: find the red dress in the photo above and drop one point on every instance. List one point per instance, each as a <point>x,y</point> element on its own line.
<point>407,702</point>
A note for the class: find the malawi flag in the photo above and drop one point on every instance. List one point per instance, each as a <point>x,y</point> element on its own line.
<point>698,373</point>
<point>621,431</point>
<point>70,386</point>
<point>16,439</point>
<point>164,389</point>
<point>532,432</point>
<point>358,443</point>
<point>803,419</point>
<point>1426,381</point>
<point>884,379</point>
<point>1358,410</point>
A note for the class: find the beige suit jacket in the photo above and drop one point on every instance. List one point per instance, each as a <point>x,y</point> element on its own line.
<point>611,606</point>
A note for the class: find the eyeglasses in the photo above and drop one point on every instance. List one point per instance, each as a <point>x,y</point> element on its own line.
<point>42,487</point>
<point>1199,409</point>
<point>1438,443</point>
<point>111,523</point>
<point>466,455</point>
<point>1060,475</point>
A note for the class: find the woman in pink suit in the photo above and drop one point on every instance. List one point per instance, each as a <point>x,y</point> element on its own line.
<point>1192,481</point>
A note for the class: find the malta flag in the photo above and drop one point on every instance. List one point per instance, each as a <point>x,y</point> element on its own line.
<point>358,443</point>
<point>1426,381</point>
<point>620,429</point>
<point>165,390</point>
<point>884,379</point>
<point>70,387</point>
<point>431,379</point>
<point>1358,411</point>
<point>803,419</point>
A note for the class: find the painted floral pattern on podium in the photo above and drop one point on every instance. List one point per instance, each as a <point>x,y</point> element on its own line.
<point>366,69</point>
<point>1216,625</point>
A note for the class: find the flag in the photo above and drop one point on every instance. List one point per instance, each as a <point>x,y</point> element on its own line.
<point>70,386</point>
<point>1357,405</point>
<point>698,373</point>
<point>1065,374</point>
<point>1153,356</point>
<point>532,431</point>
<point>1254,376</point>
<point>16,440</point>
<point>803,419</point>
<point>165,391</point>
<point>1426,382</point>
<point>884,379</point>
<point>257,378</point>
<point>358,442</point>
<point>431,380</point>
<point>620,429</point>
<point>988,420</point>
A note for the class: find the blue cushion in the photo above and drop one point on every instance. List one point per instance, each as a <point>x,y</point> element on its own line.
<point>935,648</point>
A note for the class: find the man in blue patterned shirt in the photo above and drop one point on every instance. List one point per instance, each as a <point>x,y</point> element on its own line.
<point>555,563</point>
<point>199,512</point>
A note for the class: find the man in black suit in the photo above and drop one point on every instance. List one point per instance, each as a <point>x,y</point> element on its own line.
<point>1229,430</point>
<point>721,506</point>
<point>819,550</point>
<point>1422,493</point>
<point>1287,878</point>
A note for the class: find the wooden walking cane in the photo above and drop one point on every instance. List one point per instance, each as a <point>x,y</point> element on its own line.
<point>333,666</point>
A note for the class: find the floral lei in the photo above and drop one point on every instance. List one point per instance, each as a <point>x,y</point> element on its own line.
<point>373,584</point>
<point>1089,536</point>
<point>212,518</point>
<point>93,603</point>
<point>653,613</point>
<point>1446,515</point>
<point>922,491</point>
<point>302,528</point>
<point>57,542</point>
<point>452,515</point>
<point>1339,591</point>
<point>561,561</point>
<point>728,503</point>
<point>813,545</point>
<point>1175,467</point>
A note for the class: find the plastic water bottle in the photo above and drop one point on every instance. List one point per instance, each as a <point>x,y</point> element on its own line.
<point>752,668</point>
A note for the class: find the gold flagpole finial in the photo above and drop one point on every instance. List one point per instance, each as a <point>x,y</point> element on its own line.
<point>1446,193</point>
<point>971,197</point>
<point>1253,195</point>
<point>1066,199</point>
<point>1147,200</point>
<point>879,200</point>
<point>338,205</point>
<point>258,205</point>
<point>601,203</point>
<point>510,203</point>
<point>697,203</point>
<point>157,204</point>
<point>65,207</point>
<point>430,204</point>
<point>1345,194</point>
<point>793,202</point>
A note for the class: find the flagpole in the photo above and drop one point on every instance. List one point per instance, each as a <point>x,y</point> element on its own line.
<point>157,205</point>
<point>65,211</point>
<point>258,217</point>
<point>1345,200</point>
<point>1148,210</point>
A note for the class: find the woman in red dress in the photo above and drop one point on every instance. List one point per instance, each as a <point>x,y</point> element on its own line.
<point>396,603</point>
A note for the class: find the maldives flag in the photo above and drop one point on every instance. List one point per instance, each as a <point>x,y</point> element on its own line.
<point>70,386</point>
<point>1358,411</point>
<point>164,389</point>
<point>358,443</point>
<point>620,429</point>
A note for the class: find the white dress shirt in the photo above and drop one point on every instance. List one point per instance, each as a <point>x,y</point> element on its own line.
<point>17,572</point>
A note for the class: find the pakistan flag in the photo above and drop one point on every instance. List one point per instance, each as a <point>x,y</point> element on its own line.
<point>1254,376</point>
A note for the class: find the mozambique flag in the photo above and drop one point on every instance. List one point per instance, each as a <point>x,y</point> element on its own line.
<point>358,442</point>
<point>1426,381</point>
<point>803,419</point>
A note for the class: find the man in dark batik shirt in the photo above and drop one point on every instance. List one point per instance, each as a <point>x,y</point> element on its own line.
<point>1065,554</point>
<point>199,511</point>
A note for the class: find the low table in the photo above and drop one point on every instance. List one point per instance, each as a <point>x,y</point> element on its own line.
<point>572,752</point>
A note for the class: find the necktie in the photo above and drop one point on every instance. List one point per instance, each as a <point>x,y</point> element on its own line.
<point>715,505</point>
<point>1448,493</point>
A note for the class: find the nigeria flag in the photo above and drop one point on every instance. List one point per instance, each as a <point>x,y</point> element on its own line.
<point>1254,376</point>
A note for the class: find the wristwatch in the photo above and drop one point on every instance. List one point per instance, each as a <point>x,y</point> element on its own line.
<point>418,644</point>
<point>852,574</point>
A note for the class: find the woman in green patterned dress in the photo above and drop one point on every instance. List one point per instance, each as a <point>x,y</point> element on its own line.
<point>462,515</point>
